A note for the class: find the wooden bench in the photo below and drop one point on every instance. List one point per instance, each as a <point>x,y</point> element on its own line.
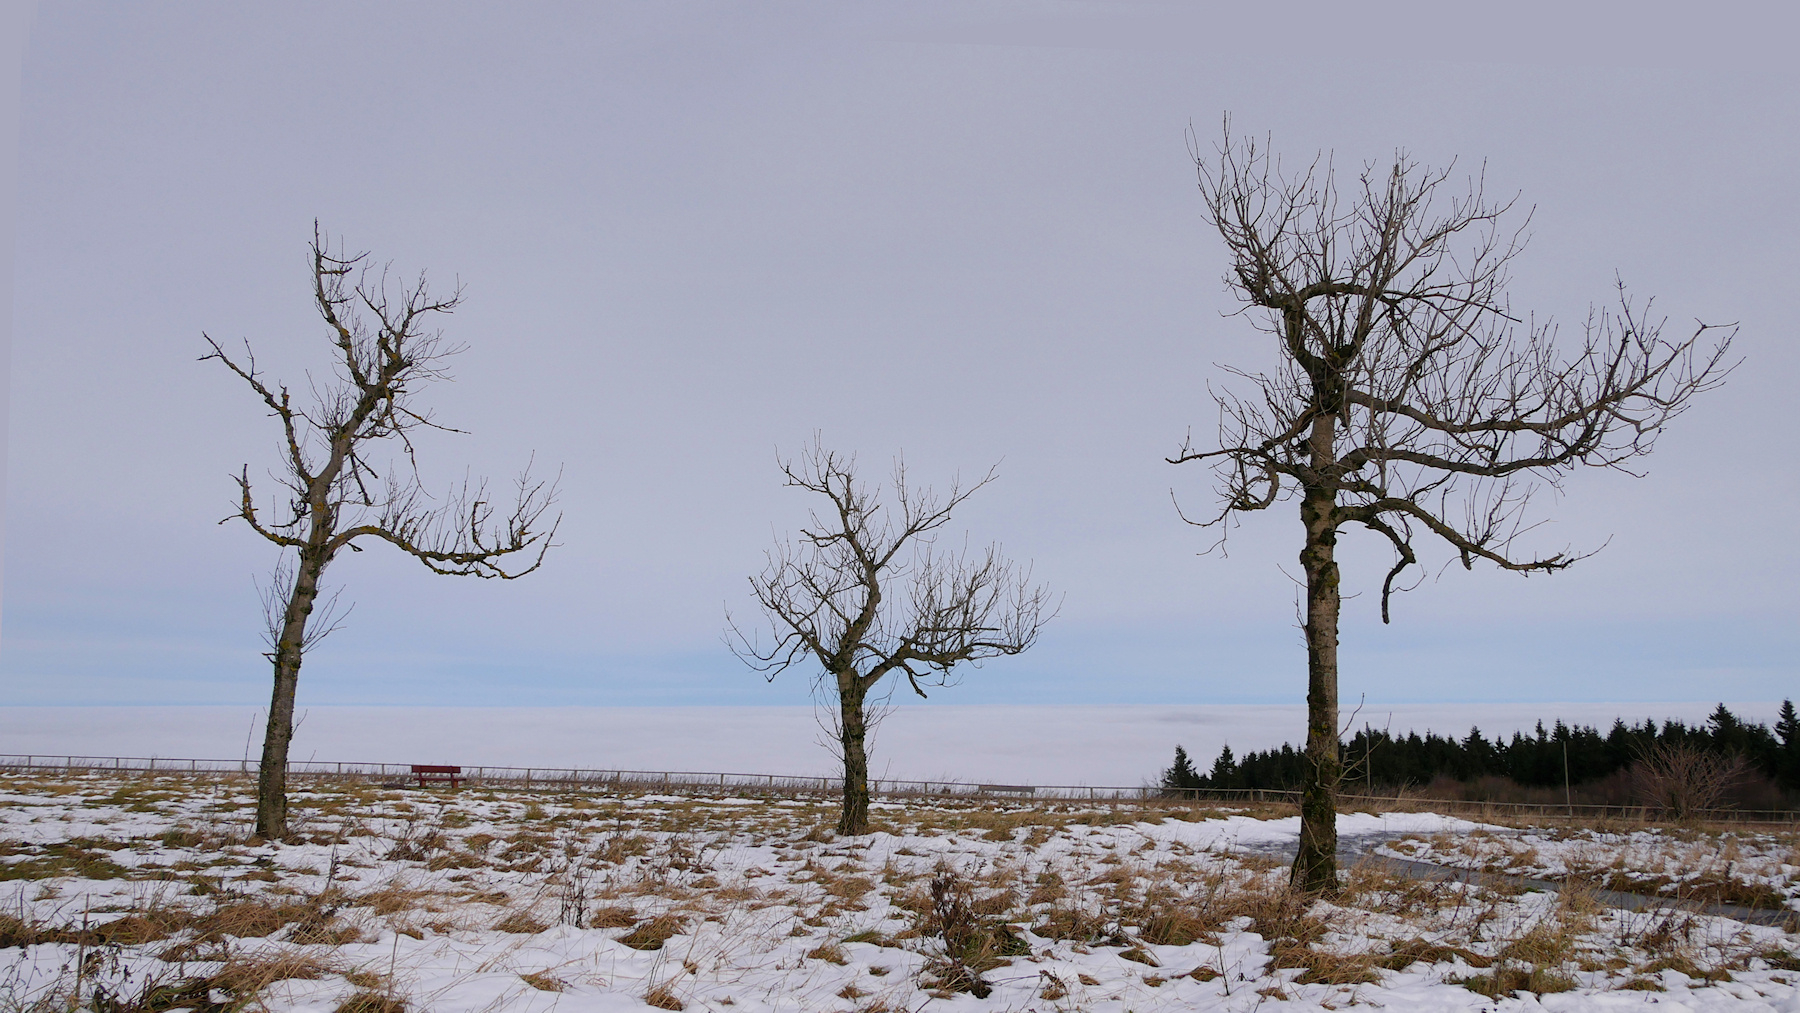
<point>437,773</point>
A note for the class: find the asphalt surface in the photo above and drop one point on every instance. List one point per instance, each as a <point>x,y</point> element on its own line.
<point>1360,848</point>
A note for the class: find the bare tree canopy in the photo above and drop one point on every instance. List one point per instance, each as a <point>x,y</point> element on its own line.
<point>337,491</point>
<point>866,592</point>
<point>1410,398</point>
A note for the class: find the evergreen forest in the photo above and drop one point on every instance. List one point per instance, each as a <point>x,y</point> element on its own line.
<point>1759,765</point>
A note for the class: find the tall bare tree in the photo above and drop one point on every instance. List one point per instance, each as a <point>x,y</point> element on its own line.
<point>866,592</point>
<point>1408,397</point>
<point>349,472</point>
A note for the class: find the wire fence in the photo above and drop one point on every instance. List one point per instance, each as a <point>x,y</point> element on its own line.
<point>692,781</point>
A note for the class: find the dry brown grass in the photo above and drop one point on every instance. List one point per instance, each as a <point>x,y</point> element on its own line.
<point>612,917</point>
<point>520,923</point>
<point>249,918</point>
<point>543,981</point>
<point>652,934</point>
<point>1506,979</point>
<point>1404,954</point>
<point>390,899</point>
<point>241,979</point>
<point>663,996</point>
<point>371,1002</point>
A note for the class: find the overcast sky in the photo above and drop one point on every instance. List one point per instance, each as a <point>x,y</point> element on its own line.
<point>691,234</point>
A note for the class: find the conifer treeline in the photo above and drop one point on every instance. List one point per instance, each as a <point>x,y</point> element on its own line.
<point>1379,759</point>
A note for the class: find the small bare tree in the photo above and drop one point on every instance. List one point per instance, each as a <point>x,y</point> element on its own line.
<point>866,593</point>
<point>1409,398</point>
<point>1685,780</point>
<point>337,491</point>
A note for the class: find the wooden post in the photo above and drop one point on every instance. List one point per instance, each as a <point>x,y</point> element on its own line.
<point>1568,799</point>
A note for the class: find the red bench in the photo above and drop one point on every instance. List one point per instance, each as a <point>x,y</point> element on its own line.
<point>437,773</point>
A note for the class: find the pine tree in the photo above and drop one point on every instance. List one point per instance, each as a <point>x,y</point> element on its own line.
<point>1787,726</point>
<point>1727,731</point>
<point>1181,775</point>
<point>1224,771</point>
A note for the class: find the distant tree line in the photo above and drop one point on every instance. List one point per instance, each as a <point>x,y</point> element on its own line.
<point>1597,762</point>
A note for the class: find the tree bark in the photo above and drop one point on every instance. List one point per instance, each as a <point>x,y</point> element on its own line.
<point>1315,863</point>
<point>853,736</point>
<point>271,783</point>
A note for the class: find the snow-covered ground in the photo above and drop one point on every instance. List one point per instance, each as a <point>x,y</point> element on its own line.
<point>1091,745</point>
<point>485,900</point>
<point>1748,867</point>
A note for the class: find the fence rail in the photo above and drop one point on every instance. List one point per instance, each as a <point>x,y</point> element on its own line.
<point>793,784</point>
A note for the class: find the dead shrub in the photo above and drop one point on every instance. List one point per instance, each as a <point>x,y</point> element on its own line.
<point>543,981</point>
<point>663,997</point>
<point>972,942</point>
<point>831,953</point>
<point>1683,780</point>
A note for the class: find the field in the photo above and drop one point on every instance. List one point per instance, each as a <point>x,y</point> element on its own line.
<point>149,894</point>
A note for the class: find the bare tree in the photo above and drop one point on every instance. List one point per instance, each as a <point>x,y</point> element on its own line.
<point>866,593</point>
<point>1409,398</point>
<point>1686,781</point>
<point>339,492</point>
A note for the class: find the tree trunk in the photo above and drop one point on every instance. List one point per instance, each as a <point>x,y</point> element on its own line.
<point>853,733</point>
<point>271,781</point>
<point>1315,864</point>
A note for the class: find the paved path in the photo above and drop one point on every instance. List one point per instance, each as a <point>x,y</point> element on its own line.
<point>1788,918</point>
<point>1354,848</point>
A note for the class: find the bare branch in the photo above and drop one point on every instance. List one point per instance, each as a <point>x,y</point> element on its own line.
<point>1409,397</point>
<point>344,480</point>
<point>865,591</point>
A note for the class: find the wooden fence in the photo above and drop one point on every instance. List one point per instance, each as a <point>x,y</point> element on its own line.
<point>573,778</point>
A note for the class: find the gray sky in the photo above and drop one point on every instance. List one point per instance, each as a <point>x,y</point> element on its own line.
<point>691,234</point>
